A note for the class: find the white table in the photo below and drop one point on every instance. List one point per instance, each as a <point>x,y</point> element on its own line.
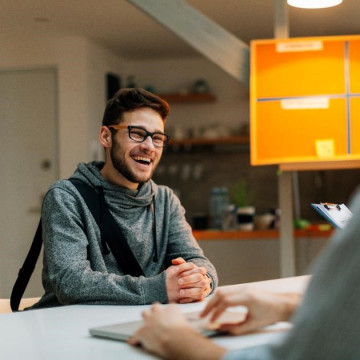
<point>62,332</point>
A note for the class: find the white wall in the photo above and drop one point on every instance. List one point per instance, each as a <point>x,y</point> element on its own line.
<point>81,67</point>
<point>99,62</point>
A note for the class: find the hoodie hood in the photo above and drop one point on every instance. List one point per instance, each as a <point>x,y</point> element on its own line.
<point>126,198</point>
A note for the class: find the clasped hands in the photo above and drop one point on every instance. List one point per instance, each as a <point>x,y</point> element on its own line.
<point>186,282</point>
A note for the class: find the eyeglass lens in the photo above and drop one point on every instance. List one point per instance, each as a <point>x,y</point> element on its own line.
<point>139,135</point>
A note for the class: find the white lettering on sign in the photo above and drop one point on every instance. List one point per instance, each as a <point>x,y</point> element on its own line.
<point>308,103</point>
<point>297,46</point>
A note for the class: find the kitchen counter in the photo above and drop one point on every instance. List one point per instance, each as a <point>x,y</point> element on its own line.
<point>247,256</point>
<point>257,234</point>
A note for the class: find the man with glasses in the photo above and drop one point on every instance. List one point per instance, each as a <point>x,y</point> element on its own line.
<point>80,266</point>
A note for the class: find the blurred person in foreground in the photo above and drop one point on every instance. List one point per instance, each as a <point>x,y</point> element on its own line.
<point>325,321</point>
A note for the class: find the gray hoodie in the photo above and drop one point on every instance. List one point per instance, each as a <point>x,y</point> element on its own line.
<point>77,269</point>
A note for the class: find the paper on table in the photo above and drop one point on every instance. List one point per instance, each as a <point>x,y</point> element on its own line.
<point>336,214</point>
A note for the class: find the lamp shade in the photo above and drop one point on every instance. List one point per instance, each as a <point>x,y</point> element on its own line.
<point>313,4</point>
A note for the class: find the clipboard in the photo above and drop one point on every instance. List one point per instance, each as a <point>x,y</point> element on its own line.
<point>336,214</point>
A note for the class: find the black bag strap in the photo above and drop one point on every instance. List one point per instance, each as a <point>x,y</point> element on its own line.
<point>26,271</point>
<point>118,245</point>
<point>108,227</point>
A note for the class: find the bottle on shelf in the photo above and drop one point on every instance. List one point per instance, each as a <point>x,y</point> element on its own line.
<point>215,208</point>
<point>228,211</point>
<point>219,203</point>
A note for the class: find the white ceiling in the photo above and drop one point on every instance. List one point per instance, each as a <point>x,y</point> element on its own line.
<point>127,31</point>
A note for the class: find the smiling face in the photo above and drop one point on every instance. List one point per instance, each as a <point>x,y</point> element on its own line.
<point>130,163</point>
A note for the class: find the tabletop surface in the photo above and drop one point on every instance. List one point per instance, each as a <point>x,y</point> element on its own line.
<point>63,332</point>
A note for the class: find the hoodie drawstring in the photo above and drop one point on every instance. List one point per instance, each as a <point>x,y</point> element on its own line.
<point>102,204</point>
<point>152,207</point>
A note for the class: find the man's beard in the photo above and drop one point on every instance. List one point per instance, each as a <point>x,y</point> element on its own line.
<point>121,166</point>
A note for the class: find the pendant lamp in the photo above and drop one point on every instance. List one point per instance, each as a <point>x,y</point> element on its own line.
<point>313,4</point>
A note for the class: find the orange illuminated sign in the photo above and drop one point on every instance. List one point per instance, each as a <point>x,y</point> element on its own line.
<point>305,100</point>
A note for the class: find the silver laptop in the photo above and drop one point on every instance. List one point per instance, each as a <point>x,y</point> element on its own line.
<point>122,331</point>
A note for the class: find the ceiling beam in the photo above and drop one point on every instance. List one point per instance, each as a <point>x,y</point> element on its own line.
<point>214,42</point>
<point>281,19</point>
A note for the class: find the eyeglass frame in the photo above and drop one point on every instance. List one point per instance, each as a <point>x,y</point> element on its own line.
<point>147,133</point>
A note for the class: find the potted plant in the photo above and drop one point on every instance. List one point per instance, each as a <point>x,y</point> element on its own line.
<point>242,197</point>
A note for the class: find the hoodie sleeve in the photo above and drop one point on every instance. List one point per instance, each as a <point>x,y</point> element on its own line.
<point>75,270</point>
<point>181,242</point>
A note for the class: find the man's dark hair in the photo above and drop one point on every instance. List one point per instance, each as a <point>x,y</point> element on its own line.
<point>131,99</point>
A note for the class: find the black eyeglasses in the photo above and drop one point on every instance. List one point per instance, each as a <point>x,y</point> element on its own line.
<point>139,135</point>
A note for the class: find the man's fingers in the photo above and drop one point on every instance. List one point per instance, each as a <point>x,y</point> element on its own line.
<point>184,267</point>
<point>178,261</point>
<point>187,268</point>
<point>193,293</point>
<point>198,280</point>
<point>195,270</point>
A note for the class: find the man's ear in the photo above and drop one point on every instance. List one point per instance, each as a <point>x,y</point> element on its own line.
<point>105,137</point>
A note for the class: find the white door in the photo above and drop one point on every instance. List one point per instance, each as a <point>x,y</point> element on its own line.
<point>28,165</point>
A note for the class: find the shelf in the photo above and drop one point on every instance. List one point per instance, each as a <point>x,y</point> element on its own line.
<point>333,164</point>
<point>241,139</point>
<point>188,98</point>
